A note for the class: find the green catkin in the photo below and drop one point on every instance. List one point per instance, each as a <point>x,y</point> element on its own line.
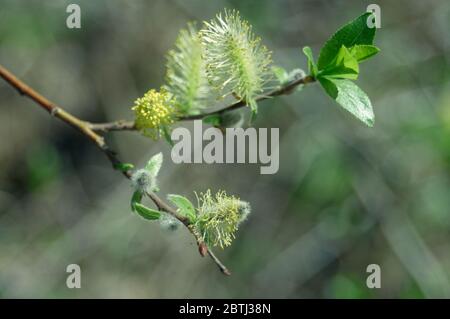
<point>236,61</point>
<point>219,217</point>
<point>186,74</point>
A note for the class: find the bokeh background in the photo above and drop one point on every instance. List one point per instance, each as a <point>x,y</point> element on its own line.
<point>345,196</point>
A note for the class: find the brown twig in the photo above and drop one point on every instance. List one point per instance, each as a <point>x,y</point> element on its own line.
<point>121,125</point>
<point>287,89</point>
<point>51,107</point>
<point>219,264</point>
<point>124,125</point>
<point>88,129</point>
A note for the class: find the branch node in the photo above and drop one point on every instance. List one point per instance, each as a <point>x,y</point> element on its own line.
<point>54,111</point>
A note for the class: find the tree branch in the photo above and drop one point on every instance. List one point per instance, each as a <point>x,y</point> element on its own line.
<point>124,125</point>
<point>276,92</point>
<point>88,130</point>
<point>52,108</point>
<point>121,125</point>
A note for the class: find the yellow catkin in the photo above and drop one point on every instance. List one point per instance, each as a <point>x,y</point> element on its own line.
<point>154,111</point>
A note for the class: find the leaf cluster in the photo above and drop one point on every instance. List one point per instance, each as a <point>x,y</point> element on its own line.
<point>338,66</point>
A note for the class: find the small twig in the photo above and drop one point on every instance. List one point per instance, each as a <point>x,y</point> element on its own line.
<point>121,125</point>
<point>162,206</point>
<point>88,129</point>
<point>124,125</point>
<point>276,92</point>
<point>221,266</point>
<point>52,108</point>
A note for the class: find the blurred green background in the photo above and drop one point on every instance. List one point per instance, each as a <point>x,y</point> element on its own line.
<point>345,196</point>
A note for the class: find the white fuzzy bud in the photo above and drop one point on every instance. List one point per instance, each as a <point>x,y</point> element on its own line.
<point>244,210</point>
<point>169,222</point>
<point>143,181</point>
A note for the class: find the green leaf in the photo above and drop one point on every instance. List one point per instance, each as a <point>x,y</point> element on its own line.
<point>344,66</point>
<point>362,52</point>
<point>135,199</point>
<point>124,167</point>
<point>350,97</point>
<point>312,67</point>
<point>184,206</point>
<point>354,33</point>
<point>154,164</point>
<point>147,213</point>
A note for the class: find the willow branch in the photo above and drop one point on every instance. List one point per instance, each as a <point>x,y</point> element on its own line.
<point>219,264</point>
<point>88,130</point>
<point>124,125</point>
<point>276,92</point>
<point>51,107</point>
<point>121,125</point>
